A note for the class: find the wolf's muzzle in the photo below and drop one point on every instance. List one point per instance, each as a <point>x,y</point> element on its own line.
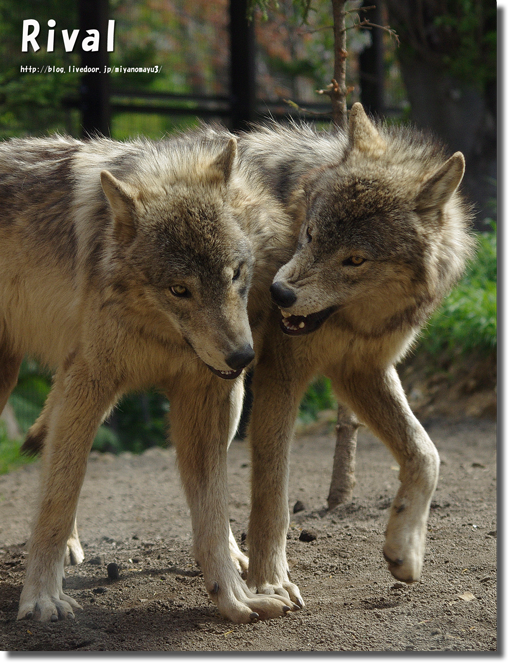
<point>237,361</point>
<point>240,358</point>
<point>282,295</point>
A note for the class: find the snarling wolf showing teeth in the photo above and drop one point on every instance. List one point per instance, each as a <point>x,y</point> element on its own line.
<point>384,236</point>
<point>172,264</point>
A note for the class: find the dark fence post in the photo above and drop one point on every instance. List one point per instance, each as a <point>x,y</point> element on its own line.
<point>95,87</point>
<point>371,65</point>
<point>242,65</point>
<point>243,101</point>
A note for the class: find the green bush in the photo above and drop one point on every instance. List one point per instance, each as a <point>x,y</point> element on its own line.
<point>318,397</point>
<point>467,321</point>
<point>30,393</point>
<point>10,457</point>
<point>138,422</point>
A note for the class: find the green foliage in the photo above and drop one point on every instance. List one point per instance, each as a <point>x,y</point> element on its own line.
<point>10,456</point>
<point>150,125</point>
<point>139,422</point>
<point>33,102</point>
<point>30,393</point>
<point>107,440</point>
<point>302,6</point>
<point>467,321</point>
<point>469,35</point>
<point>317,398</point>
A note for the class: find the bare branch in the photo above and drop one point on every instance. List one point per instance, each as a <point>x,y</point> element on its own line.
<point>360,9</point>
<point>303,110</point>
<point>333,88</point>
<point>365,23</point>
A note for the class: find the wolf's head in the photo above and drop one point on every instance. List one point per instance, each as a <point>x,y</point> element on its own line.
<point>384,236</point>
<point>185,255</point>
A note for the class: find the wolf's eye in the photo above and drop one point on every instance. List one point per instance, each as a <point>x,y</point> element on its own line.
<point>237,273</point>
<point>180,291</point>
<point>309,234</point>
<point>354,261</point>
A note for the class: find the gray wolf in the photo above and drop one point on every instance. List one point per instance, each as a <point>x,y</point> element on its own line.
<point>384,236</point>
<point>123,266</point>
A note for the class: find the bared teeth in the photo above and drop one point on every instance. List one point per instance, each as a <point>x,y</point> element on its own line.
<point>293,326</point>
<point>293,322</point>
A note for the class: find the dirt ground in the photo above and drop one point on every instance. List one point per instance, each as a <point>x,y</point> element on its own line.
<point>132,512</point>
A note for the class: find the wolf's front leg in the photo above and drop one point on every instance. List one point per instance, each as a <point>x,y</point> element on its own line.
<point>83,398</point>
<point>278,385</point>
<point>199,423</point>
<point>379,401</point>
<point>33,445</point>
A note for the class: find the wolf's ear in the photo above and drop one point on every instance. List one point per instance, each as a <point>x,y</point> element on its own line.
<point>438,189</point>
<point>225,161</point>
<point>122,202</point>
<point>363,135</point>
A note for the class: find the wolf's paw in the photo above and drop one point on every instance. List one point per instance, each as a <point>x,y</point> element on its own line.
<point>74,553</point>
<point>404,547</point>
<point>241,605</point>
<point>404,551</point>
<point>285,589</point>
<point>48,608</point>
<point>404,567</point>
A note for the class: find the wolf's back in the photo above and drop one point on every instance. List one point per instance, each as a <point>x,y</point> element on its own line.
<point>284,154</point>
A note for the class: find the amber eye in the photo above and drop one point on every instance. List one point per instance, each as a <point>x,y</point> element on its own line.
<point>309,234</point>
<point>180,291</point>
<point>354,261</point>
<point>237,273</point>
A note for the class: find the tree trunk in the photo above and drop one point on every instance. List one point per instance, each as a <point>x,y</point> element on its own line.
<point>343,479</point>
<point>463,113</point>
<point>461,116</point>
<point>338,88</point>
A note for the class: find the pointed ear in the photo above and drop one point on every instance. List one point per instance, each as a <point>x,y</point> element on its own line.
<point>225,161</point>
<point>438,189</point>
<point>121,199</point>
<point>363,135</point>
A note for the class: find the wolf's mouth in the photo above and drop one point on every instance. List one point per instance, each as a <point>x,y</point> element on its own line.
<point>229,374</point>
<point>223,374</point>
<point>302,325</point>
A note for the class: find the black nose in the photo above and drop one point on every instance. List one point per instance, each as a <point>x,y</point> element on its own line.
<point>239,359</point>
<point>282,295</point>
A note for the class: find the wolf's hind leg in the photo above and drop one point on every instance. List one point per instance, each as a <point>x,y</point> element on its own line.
<point>74,551</point>
<point>241,561</point>
<point>379,401</point>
